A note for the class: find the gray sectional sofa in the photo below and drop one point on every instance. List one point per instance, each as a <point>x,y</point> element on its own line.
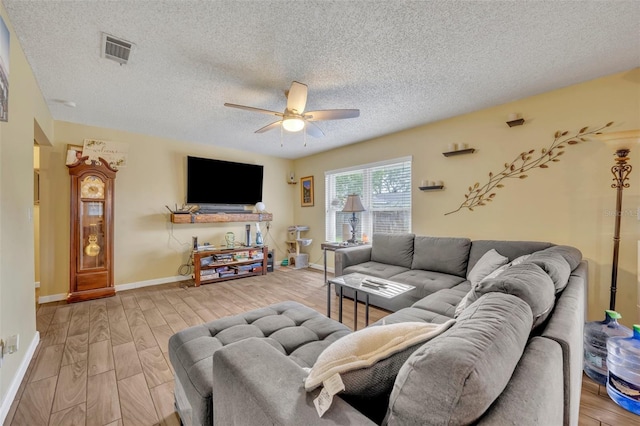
<point>512,356</point>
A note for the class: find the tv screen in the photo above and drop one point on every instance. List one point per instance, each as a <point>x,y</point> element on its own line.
<point>212,181</point>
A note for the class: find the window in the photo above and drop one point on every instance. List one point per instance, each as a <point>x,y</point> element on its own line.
<point>385,191</point>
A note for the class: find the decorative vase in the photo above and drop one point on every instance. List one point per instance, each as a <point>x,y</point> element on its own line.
<point>230,239</point>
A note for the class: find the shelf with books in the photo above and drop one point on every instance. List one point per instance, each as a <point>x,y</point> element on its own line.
<point>224,264</point>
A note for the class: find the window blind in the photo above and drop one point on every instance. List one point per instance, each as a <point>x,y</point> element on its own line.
<point>385,191</point>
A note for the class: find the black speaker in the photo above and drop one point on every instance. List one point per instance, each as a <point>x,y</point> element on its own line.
<point>270,259</point>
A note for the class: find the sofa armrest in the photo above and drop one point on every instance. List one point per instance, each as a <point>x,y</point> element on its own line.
<point>351,256</point>
<point>537,380</point>
<point>255,384</point>
<point>565,326</point>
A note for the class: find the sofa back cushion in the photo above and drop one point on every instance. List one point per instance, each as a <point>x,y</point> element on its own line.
<point>554,265</point>
<point>454,378</point>
<point>393,249</point>
<point>446,255</point>
<point>527,281</point>
<point>572,255</point>
<point>510,249</point>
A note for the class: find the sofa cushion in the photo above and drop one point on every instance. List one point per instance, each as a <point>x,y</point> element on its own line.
<point>454,378</point>
<point>466,301</point>
<point>489,262</point>
<point>393,249</point>
<point>526,281</point>
<point>554,265</point>
<point>369,359</point>
<point>447,255</point>
<point>442,302</point>
<point>376,269</point>
<point>426,282</point>
<point>510,249</point>
<point>572,255</point>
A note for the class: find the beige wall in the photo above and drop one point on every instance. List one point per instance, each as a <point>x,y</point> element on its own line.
<point>568,203</point>
<point>17,297</point>
<point>147,245</point>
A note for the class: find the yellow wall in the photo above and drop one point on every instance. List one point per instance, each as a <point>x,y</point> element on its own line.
<point>568,203</point>
<point>17,312</point>
<point>147,245</point>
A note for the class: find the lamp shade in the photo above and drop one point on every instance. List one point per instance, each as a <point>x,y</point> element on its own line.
<point>621,140</point>
<point>353,204</point>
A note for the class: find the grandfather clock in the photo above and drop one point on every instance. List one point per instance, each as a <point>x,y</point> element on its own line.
<point>91,257</point>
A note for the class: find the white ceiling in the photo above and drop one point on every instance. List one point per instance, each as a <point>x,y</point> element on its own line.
<point>402,63</point>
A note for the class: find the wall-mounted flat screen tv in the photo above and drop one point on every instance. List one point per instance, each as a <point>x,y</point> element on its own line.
<point>212,181</point>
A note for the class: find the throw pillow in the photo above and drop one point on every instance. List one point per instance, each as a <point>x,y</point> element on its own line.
<point>519,260</point>
<point>572,255</point>
<point>368,360</point>
<point>489,262</point>
<point>455,378</point>
<point>527,281</point>
<point>554,265</point>
<point>466,300</point>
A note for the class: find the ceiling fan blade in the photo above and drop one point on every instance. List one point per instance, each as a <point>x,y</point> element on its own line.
<point>312,129</point>
<point>331,114</point>
<point>297,97</point>
<point>269,127</point>
<point>260,110</point>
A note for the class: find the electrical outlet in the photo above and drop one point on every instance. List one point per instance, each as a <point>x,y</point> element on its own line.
<point>13,343</point>
<point>1,351</point>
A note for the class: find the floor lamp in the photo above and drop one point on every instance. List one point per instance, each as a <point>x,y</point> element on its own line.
<point>353,205</point>
<point>622,143</point>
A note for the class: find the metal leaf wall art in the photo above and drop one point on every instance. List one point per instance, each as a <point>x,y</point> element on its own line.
<point>480,195</point>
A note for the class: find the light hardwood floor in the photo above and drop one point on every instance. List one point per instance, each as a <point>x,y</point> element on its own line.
<point>105,362</point>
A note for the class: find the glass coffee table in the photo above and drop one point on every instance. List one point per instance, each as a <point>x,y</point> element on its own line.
<point>368,285</point>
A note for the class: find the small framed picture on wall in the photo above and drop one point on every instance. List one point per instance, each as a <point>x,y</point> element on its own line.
<point>74,153</point>
<point>306,188</point>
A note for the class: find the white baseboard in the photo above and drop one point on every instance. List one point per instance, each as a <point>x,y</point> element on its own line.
<point>17,379</point>
<point>52,298</point>
<point>119,287</point>
<point>147,283</point>
<point>321,267</point>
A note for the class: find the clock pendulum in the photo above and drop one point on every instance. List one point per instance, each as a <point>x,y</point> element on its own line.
<point>92,249</point>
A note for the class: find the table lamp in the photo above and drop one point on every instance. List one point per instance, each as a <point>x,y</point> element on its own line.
<point>353,205</point>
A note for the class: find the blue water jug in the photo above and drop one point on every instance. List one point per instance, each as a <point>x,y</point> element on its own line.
<point>596,334</point>
<point>623,362</point>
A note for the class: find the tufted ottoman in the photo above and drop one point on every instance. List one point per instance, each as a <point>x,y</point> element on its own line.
<point>296,330</point>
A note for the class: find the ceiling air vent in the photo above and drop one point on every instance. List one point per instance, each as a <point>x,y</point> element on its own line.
<point>116,49</point>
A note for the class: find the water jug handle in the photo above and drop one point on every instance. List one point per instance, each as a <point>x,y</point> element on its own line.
<point>613,314</point>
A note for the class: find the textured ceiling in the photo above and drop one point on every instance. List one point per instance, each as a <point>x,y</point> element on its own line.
<point>403,64</point>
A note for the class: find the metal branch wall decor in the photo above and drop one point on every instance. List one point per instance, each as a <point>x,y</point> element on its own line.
<point>480,195</point>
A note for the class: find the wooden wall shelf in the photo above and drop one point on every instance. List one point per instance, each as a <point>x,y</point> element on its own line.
<point>459,152</point>
<point>221,217</point>
<point>431,188</point>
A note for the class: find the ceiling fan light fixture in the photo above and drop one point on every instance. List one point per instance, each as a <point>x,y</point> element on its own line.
<point>293,124</point>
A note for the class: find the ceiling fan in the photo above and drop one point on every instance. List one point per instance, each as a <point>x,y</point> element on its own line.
<point>294,118</point>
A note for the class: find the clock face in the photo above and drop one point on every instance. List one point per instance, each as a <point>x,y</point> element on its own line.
<point>92,187</point>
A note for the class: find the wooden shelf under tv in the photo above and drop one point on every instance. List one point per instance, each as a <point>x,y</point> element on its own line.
<point>259,253</point>
<point>220,217</point>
